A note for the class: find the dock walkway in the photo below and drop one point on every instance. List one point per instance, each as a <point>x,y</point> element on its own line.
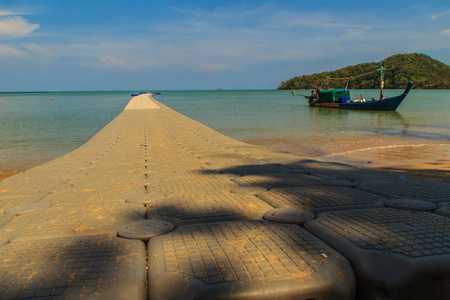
<point>159,206</point>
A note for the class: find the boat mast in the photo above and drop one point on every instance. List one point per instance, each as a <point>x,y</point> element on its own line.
<point>381,73</point>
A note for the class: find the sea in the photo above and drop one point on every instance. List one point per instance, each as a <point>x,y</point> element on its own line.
<point>37,127</point>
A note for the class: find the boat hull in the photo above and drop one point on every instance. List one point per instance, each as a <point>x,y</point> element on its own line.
<point>387,104</point>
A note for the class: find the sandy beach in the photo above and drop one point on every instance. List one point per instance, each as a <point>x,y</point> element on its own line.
<point>416,159</point>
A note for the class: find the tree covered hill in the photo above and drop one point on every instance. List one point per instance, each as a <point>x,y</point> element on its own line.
<point>423,70</point>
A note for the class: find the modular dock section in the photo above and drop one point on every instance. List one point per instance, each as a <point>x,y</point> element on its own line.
<point>159,206</point>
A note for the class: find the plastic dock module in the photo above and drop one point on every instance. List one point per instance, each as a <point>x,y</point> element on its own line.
<point>277,180</point>
<point>421,190</point>
<point>396,254</point>
<point>100,267</point>
<point>63,220</point>
<point>246,259</point>
<point>208,207</point>
<point>357,175</point>
<point>443,209</point>
<point>247,167</point>
<point>289,215</point>
<point>144,229</point>
<point>191,185</point>
<point>410,204</point>
<point>320,198</point>
<point>332,170</point>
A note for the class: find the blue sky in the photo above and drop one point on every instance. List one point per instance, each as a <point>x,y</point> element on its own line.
<point>62,45</point>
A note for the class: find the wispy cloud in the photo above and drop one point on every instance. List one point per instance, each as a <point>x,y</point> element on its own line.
<point>39,52</point>
<point>9,13</point>
<point>11,52</point>
<point>213,41</point>
<point>228,39</point>
<point>442,14</point>
<point>110,62</point>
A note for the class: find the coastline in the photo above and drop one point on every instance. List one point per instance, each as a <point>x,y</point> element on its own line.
<point>418,162</point>
<point>416,159</point>
<point>7,173</point>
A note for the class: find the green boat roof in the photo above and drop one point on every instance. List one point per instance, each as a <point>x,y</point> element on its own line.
<point>333,91</point>
<point>334,96</point>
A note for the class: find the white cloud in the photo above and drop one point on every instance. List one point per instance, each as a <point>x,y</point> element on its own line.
<point>15,27</point>
<point>436,16</point>
<point>446,32</point>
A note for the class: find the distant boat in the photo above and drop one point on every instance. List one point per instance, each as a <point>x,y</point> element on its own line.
<point>340,98</point>
<point>140,93</point>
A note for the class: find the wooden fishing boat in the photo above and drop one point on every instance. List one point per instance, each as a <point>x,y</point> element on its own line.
<point>341,98</point>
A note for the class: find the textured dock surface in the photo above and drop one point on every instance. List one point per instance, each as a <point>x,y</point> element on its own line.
<point>159,206</point>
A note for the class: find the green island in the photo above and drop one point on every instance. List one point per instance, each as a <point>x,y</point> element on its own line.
<point>423,70</point>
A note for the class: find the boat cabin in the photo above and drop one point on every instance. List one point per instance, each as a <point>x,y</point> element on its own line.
<point>334,96</point>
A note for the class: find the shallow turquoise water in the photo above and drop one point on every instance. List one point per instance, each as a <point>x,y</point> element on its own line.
<point>34,128</point>
<point>270,114</point>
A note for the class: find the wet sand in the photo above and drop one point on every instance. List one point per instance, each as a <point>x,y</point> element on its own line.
<point>421,162</point>
<point>416,159</point>
<point>6,173</point>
